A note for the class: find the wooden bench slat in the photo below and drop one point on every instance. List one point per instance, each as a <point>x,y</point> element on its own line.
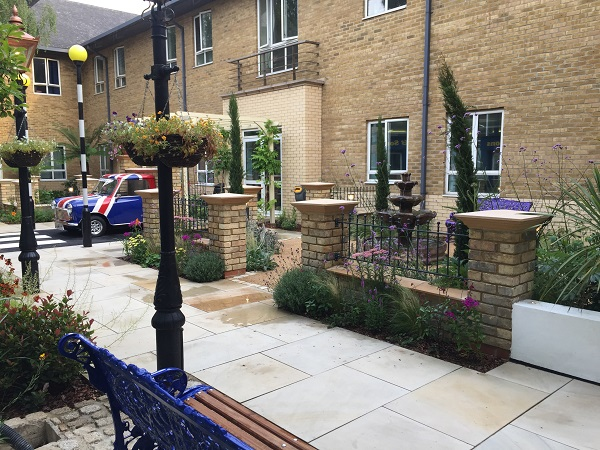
<point>228,425</point>
<point>265,423</point>
<point>250,421</point>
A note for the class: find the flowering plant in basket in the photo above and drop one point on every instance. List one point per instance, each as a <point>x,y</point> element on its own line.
<point>25,153</point>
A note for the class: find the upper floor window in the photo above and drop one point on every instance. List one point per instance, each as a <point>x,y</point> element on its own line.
<point>46,76</point>
<point>171,46</point>
<point>374,7</point>
<point>395,133</point>
<point>99,74</point>
<point>54,165</point>
<point>485,149</point>
<point>120,80</point>
<point>277,26</point>
<point>203,46</point>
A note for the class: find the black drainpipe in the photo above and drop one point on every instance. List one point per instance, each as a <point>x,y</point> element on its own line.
<point>426,59</point>
<point>183,67</point>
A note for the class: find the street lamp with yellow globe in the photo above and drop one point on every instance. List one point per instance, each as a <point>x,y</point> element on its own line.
<point>78,55</point>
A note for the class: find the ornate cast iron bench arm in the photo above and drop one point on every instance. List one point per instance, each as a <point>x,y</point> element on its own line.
<point>153,401</point>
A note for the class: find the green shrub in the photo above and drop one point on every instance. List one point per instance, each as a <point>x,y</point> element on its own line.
<point>203,267</point>
<point>43,215</point>
<point>29,332</point>
<point>304,291</point>
<point>286,222</point>
<point>261,245</point>
<point>45,196</point>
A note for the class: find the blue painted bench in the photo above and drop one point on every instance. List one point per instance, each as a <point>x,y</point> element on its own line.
<point>489,204</point>
<point>166,414</point>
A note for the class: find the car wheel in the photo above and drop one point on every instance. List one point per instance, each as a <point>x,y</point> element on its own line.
<point>98,226</point>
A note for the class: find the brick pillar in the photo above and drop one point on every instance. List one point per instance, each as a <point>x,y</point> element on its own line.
<point>317,190</point>
<point>123,162</point>
<point>321,239</point>
<point>253,203</point>
<point>501,266</point>
<point>227,229</point>
<point>151,217</point>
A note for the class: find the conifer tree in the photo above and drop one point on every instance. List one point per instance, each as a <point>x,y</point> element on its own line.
<point>236,172</point>
<point>383,174</point>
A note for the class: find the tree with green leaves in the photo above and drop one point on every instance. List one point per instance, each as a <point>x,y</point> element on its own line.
<point>460,140</point>
<point>93,141</point>
<point>382,190</point>
<point>266,162</point>
<point>11,65</point>
<point>41,23</point>
<point>236,172</point>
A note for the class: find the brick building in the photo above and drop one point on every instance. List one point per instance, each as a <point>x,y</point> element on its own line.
<point>325,71</point>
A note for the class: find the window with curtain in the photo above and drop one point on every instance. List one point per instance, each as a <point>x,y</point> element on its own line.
<point>396,143</point>
<point>46,76</point>
<point>375,7</point>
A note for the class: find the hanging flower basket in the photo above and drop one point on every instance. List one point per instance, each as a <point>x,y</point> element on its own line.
<point>22,159</point>
<point>140,160</point>
<point>25,153</point>
<point>173,155</point>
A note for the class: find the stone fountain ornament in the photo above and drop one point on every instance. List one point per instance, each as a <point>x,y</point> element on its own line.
<point>406,218</point>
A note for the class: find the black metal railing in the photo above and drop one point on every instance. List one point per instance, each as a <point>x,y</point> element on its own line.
<point>423,252</point>
<point>364,194</point>
<point>293,61</point>
<point>191,214</point>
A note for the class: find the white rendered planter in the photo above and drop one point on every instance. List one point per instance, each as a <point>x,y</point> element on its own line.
<point>557,337</point>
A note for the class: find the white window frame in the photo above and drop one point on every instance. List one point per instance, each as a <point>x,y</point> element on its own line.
<point>99,74</point>
<point>265,59</point>
<point>46,84</point>
<point>386,9</point>
<point>199,50</point>
<point>120,77</point>
<point>50,160</point>
<point>481,174</point>
<point>172,35</point>
<point>205,171</point>
<point>394,174</point>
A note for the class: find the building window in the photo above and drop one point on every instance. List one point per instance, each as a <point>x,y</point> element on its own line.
<point>171,46</point>
<point>53,165</point>
<point>99,74</point>
<point>203,38</point>
<point>120,80</point>
<point>206,173</point>
<point>375,7</point>
<point>46,76</point>
<point>104,159</point>
<point>485,149</point>
<point>277,27</point>
<point>396,144</point>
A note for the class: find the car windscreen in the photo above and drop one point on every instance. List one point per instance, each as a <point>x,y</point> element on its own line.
<point>105,186</point>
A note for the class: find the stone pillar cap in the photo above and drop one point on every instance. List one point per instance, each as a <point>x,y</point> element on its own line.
<point>227,199</point>
<point>502,219</point>
<point>317,185</point>
<point>325,206</point>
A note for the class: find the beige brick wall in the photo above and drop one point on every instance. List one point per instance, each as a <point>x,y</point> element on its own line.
<point>537,61</point>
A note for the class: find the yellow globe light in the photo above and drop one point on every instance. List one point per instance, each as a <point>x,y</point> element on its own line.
<point>25,79</point>
<point>77,53</point>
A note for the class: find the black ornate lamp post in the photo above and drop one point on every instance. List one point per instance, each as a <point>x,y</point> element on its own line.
<point>78,55</point>
<point>29,256</point>
<point>168,319</point>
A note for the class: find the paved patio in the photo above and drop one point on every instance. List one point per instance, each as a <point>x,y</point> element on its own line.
<point>334,388</point>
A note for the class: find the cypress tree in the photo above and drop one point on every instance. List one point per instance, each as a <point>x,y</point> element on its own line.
<point>383,175</point>
<point>236,173</point>
<point>460,148</point>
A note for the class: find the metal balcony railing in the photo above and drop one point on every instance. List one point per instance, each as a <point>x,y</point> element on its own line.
<point>289,62</point>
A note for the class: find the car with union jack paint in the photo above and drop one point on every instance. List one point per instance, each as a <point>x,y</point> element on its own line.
<point>112,202</point>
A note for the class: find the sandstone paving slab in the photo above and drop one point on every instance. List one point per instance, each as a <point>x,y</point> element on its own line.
<point>142,340</point>
<point>147,361</point>
<point>530,377</point>
<point>317,405</point>
<point>467,405</point>
<point>237,317</point>
<point>385,429</point>
<point>290,327</point>
<point>514,438</point>
<point>571,416</point>
<point>249,377</point>
<point>224,347</point>
<point>223,299</point>
<point>123,320</point>
<point>326,350</point>
<point>402,367</point>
